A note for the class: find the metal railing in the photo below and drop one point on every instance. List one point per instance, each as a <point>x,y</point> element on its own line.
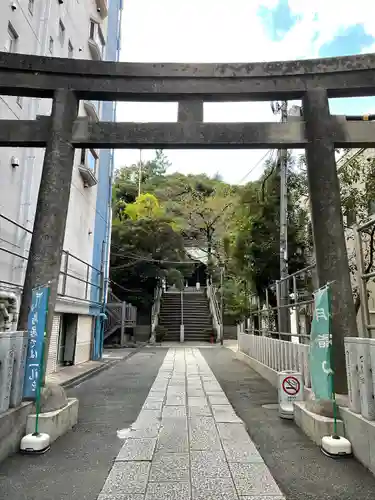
<point>364,275</point>
<point>120,315</point>
<point>158,292</point>
<point>215,310</point>
<point>264,318</point>
<point>77,280</point>
<point>259,337</point>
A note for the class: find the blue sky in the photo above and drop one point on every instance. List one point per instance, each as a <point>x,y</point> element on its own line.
<point>238,31</point>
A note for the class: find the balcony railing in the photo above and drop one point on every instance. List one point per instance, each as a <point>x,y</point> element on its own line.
<point>78,279</point>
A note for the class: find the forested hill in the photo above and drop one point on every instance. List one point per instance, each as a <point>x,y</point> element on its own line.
<point>236,226</point>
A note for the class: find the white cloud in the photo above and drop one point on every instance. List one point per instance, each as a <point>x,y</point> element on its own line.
<point>223,31</point>
<point>330,16</point>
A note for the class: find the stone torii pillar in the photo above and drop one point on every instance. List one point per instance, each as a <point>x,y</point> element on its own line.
<point>52,207</point>
<point>327,223</point>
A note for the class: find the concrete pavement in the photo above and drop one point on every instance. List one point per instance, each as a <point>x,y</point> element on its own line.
<point>187,442</point>
<point>179,436</point>
<point>299,467</point>
<point>78,463</point>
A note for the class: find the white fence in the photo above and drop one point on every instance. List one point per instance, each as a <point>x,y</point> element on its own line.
<point>360,369</point>
<point>277,354</point>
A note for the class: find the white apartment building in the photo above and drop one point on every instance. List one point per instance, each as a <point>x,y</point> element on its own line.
<point>69,29</point>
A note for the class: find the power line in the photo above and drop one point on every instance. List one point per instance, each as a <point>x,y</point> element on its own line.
<point>255,166</point>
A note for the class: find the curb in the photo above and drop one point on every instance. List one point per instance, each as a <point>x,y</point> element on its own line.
<point>69,384</point>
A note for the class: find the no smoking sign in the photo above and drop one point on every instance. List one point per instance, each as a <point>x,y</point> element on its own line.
<point>290,391</point>
<point>291,385</point>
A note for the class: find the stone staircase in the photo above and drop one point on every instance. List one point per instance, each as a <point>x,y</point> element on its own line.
<point>197,317</point>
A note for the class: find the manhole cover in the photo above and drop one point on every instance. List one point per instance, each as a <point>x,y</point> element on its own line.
<point>271,406</point>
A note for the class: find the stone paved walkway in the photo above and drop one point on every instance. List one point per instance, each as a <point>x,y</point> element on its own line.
<point>187,442</point>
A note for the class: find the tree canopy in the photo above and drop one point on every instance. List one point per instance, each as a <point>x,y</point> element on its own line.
<point>236,226</point>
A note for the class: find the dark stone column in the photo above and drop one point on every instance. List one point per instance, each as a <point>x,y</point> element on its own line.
<point>328,229</point>
<point>190,111</point>
<point>53,200</point>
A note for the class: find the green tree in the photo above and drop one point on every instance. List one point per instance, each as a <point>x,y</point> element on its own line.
<point>256,247</point>
<point>126,181</point>
<point>146,206</point>
<point>140,255</point>
<point>203,212</point>
<point>356,173</point>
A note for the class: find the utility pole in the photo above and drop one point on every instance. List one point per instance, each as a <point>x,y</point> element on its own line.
<point>284,318</point>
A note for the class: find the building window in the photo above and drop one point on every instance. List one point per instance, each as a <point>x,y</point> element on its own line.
<point>11,40</point>
<point>31,7</point>
<point>92,29</point>
<point>61,33</point>
<point>70,50</point>
<point>89,158</point>
<point>50,46</point>
<point>19,101</point>
<point>97,36</point>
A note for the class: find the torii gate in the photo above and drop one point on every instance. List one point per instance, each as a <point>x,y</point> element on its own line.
<point>67,81</point>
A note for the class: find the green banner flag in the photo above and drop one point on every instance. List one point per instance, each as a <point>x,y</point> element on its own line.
<point>320,346</point>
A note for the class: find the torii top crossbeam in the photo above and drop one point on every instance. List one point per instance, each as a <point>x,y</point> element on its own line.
<point>38,76</point>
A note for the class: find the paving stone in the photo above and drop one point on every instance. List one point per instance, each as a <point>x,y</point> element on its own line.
<point>195,385</point>
<point>245,452</point>
<point>146,418</point>
<point>170,467</point>
<point>130,496</point>
<point>137,449</point>
<point>203,434</point>
<point>253,479</point>
<point>197,401</point>
<point>218,399</point>
<point>149,431</point>
<point>208,464</point>
<point>173,436</point>
<point>196,393</point>
<point>212,385</point>
<point>156,395</point>
<point>173,411</point>
<point>233,431</point>
<point>262,497</point>
<point>214,489</point>
<point>238,446</point>
<point>168,491</point>
<point>176,400</point>
<point>127,478</point>
<point>152,405</point>
<point>196,411</point>
<point>225,413</point>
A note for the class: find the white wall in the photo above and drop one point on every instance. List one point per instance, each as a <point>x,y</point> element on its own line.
<point>19,186</point>
<point>84,339</point>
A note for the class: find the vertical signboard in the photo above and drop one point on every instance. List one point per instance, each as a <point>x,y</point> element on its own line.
<point>320,346</point>
<point>36,327</point>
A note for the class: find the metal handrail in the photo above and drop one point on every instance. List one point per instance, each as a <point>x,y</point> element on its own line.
<point>64,272</point>
<point>214,309</point>
<point>298,300</point>
<point>182,307</point>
